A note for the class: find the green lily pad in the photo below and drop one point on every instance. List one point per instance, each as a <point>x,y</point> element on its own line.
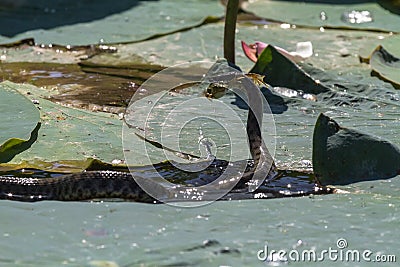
<point>386,66</point>
<point>19,116</point>
<point>383,57</point>
<point>19,123</point>
<point>68,133</point>
<point>67,84</point>
<point>366,16</point>
<point>391,43</point>
<point>14,146</point>
<point>87,22</point>
<point>62,166</point>
<point>281,72</point>
<point>352,88</point>
<point>26,51</point>
<point>134,67</point>
<point>179,121</point>
<point>344,156</point>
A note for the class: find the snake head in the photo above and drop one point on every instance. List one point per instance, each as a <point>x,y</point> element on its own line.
<point>215,90</point>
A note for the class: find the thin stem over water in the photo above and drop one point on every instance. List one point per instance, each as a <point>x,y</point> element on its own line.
<point>230,28</point>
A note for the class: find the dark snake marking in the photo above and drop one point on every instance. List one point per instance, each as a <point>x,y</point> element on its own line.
<point>77,186</point>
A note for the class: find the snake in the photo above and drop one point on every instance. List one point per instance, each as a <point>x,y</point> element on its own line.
<point>88,185</point>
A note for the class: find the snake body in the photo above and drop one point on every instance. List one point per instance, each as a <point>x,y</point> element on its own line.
<point>113,184</point>
<point>72,187</point>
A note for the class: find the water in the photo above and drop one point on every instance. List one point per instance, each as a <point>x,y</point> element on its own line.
<point>220,234</point>
<point>224,233</point>
<point>227,233</point>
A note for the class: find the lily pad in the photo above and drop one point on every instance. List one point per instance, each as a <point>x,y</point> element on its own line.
<point>280,71</point>
<point>62,166</point>
<point>390,42</point>
<point>366,16</point>
<point>386,66</point>
<point>19,123</point>
<point>350,82</point>
<point>26,51</point>
<point>352,88</point>
<point>344,156</point>
<point>68,133</point>
<point>87,22</point>
<point>14,146</point>
<point>19,116</point>
<point>383,57</point>
<point>18,119</point>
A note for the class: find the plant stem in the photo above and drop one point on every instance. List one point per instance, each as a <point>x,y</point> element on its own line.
<point>230,27</point>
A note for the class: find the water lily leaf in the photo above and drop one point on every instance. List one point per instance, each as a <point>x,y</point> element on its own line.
<point>26,50</point>
<point>63,166</point>
<point>366,16</point>
<point>383,56</point>
<point>75,134</point>
<point>101,21</point>
<point>386,66</point>
<point>280,71</point>
<point>19,116</point>
<point>390,42</point>
<point>19,123</point>
<point>104,82</point>
<point>67,84</point>
<point>353,88</point>
<point>343,156</point>
<point>68,133</point>
<point>134,67</point>
<point>14,146</point>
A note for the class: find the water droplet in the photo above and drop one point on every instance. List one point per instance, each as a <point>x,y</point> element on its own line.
<point>142,91</point>
<point>117,161</point>
<point>323,15</point>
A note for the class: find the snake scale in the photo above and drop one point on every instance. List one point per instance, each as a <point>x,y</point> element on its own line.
<point>77,186</point>
<point>113,184</point>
